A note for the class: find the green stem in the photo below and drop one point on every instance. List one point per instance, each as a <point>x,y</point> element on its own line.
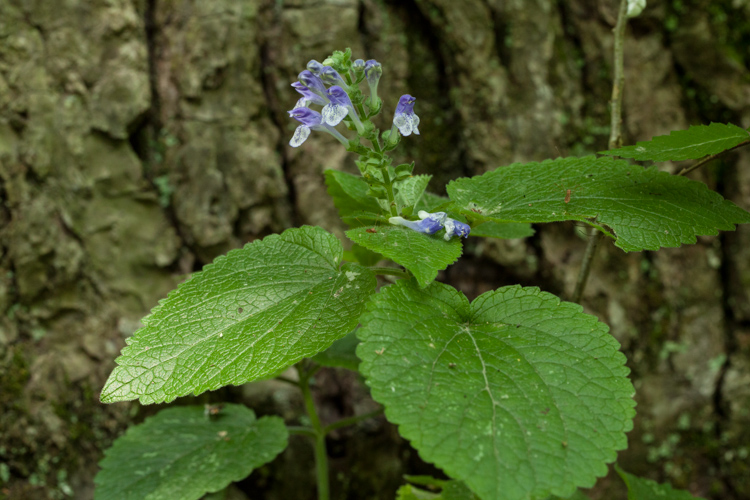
<point>321,455</point>
<point>345,422</point>
<point>301,431</point>
<point>287,380</point>
<point>615,137</point>
<point>389,191</point>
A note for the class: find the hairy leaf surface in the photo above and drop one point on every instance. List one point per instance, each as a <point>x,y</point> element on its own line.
<point>246,316</point>
<point>693,143</point>
<point>424,255</point>
<point>517,394</point>
<point>410,190</point>
<point>645,489</point>
<point>182,453</point>
<point>644,208</point>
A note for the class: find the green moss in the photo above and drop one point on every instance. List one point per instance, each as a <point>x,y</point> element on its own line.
<point>13,378</point>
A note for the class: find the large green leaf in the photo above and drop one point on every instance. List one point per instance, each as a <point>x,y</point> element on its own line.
<point>517,394</point>
<point>424,255</point>
<point>645,209</point>
<point>646,489</point>
<point>695,142</point>
<point>246,316</point>
<point>182,453</point>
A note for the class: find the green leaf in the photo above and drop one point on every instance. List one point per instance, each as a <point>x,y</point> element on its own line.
<point>409,492</point>
<point>182,453</point>
<point>424,255</point>
<point>410,190</point>
<point>341,354</point>
<point>517,394</point>
<point>246,316</point>
<point>450,489</point>
<point>578,495</point>
<point>360,254</point>
<point>646,209</point>
<point>696,142</point>
<point>507,230</point>
<point>431,202</point>
<point>646,489</point>
<point>349,193</point>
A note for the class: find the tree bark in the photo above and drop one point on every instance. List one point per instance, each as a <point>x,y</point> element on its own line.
<point>139,139</point>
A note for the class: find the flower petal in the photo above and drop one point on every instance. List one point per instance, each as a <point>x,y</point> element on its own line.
<point>404,124</point>
<point>300,135</point>
<point>334,113</point>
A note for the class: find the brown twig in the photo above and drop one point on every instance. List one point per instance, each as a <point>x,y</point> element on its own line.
<point>615,138</point>
<point>689,169</point>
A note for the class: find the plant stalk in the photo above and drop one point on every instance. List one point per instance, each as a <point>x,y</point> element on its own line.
<point>346,422</point>
<point>321,454</point>
<point>615,138</point>
<point>389,192</point>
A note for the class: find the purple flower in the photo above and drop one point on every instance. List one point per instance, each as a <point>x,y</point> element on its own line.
<point>339,107</point>
<point>308,96</point>
<point>430,223</point>
<point>331,77</point>
<point>454,227</point>
<point>405,118</point>
<point>313,83</point>
<point>315,67</point>
<point>311,120</point>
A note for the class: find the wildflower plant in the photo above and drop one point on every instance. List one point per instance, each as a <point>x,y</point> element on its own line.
<point>514,395</point>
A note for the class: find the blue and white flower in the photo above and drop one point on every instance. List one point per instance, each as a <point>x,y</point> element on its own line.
<point>454,227</point>
<point>311,120</point>
<point>405,119</point>
<point>429,223</point>
<point>339,107</point>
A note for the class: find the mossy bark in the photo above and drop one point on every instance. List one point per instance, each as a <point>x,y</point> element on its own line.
<point>139,139</point>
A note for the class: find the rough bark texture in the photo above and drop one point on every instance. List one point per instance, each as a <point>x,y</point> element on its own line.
<point>139,139</point>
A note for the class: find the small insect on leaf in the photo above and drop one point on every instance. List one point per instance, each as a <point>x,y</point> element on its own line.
<point>567,196</point>
<point>371,230</point>
<point>212,411</point>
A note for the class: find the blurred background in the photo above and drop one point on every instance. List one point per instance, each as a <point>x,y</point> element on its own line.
<point>140,139</point>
